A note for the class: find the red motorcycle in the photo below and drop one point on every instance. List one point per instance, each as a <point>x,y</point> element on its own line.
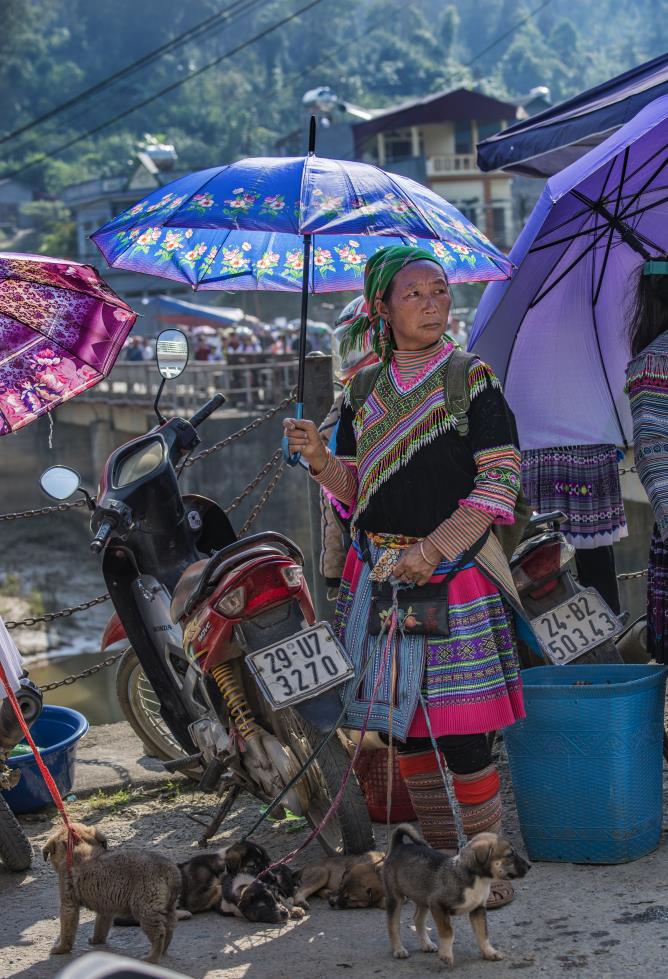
<point>228,677</point>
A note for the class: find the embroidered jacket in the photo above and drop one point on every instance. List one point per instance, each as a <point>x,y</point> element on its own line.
<point>647,388</point>
<point>407,468</point>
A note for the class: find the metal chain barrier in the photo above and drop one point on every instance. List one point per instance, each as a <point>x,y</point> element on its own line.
<point>64,613</point>
<point>631,575</point>
<point>41,511</point>
<point>259,506</point>
<point>629,469</point>
<point>266,469</point>
<point>73,677</point>
<point>205,453</point>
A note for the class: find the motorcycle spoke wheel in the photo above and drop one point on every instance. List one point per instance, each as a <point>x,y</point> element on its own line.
<point>141,707</point>
<point>349,830</point>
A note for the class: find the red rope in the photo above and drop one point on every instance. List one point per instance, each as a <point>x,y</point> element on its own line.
<point>339,795</point>
<point>46,774</point>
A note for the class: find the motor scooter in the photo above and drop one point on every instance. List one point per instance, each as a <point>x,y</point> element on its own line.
<point>247,690</point>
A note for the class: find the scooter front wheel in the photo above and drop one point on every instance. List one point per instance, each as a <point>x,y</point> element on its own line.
<point>15,848</point>
<point>141,707</point>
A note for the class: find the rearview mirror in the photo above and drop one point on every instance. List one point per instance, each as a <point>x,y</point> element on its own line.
<point>59,482</point>
<point>172,353</point>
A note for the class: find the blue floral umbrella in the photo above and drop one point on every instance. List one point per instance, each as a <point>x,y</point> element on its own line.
<point>288,224</point>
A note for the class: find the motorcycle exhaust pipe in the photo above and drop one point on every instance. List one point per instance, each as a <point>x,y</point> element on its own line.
<point>176,763</point>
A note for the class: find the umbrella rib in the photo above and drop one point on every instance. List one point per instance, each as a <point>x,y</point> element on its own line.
<point>604,264</point>
<point>566,271</point>
<point>625,232</point>
<point>644,187</point>
<point>602,361</point>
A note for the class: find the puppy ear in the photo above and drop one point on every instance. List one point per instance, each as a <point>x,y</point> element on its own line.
<point>483,852</point>
<point>101,838</point>
<point>48,850</point>
<point>297,875</point>
<point>233,860</point>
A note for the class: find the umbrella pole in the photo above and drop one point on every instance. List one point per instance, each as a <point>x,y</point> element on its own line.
<point>293,459</point>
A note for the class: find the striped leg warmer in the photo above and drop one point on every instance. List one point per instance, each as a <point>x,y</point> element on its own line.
<point>478,795</point>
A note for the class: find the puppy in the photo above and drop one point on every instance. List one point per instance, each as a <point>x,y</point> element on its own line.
<point>246,897</point>
<point>123,881</point>
<point>347,882</point>
<point>445,886</point>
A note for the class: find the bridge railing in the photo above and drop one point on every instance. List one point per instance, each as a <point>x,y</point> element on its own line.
<point>247,381</point>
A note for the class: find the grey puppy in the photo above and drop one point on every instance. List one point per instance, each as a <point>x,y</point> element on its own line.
<point>445,886</point>
<point>123,881</point>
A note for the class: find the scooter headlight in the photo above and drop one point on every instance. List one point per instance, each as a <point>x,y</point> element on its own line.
<point>233,602</point>
<point>293,576</point>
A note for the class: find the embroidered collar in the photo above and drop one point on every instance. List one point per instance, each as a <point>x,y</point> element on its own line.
<point>410,367</point>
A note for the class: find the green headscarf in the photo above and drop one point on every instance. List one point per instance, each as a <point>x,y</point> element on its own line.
<point>378,273</point>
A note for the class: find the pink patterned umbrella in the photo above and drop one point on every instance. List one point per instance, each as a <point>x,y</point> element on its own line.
<point>61,329</point>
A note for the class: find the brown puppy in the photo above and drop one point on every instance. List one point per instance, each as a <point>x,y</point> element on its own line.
<point>123,881</point>
<point>445,885</point>
<point>347,882</point>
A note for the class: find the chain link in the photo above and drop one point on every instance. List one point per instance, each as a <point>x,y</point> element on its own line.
<point>33,620</point>
<point>266,469</point>
<point>205,453</point>
<point>263,499</point>
<point>73,677</point>
<point>42,511</point>
<point>629,469</point>
<point>631,575</point>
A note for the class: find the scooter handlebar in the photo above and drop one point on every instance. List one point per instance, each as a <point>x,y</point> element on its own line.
<point>101,536</point>
<point>208,409</point>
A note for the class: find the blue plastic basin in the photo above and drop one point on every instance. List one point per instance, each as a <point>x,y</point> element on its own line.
<point>56,732</point>
<point>587,763</point>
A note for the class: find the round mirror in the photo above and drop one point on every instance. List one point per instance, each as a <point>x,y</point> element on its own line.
<point>172,353</point>
<point>59,482</point>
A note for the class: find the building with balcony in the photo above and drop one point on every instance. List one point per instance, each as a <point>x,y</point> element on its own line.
<point>94,202</point>
<point>433,140</point>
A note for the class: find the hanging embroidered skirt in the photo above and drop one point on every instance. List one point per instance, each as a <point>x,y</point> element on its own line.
<point>469,680</point>
<point>657,599</point>
<point>583,482</point>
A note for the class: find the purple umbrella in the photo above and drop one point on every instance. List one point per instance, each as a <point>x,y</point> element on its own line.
<point>555,333</point>
<point>61,329</point>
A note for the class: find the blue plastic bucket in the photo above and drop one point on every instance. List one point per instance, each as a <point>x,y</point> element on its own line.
<point>56,732</point>
<point>587,762</point>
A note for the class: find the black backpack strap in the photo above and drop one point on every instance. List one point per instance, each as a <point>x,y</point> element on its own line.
<point>456,387</point>
<point>362,384</point>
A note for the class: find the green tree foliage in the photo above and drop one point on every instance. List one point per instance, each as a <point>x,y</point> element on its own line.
<point>370,52</point>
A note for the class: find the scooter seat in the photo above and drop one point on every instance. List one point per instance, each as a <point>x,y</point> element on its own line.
<point>203,575</point>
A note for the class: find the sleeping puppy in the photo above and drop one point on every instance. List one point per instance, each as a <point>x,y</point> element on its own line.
<point>202,875</point>
<point>246,897</point>
<point>347,882</point>
<point>123,881</point>
<point>445,885</point>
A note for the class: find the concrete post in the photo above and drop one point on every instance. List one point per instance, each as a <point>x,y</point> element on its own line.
<point>318,398</point>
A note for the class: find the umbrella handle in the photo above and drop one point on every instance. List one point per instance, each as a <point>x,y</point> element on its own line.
<point>292,459</point>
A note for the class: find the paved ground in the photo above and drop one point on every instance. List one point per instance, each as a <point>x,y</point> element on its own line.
<point>567,921</point>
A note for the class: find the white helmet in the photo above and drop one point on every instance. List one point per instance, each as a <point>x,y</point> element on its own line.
<point>353,360</point>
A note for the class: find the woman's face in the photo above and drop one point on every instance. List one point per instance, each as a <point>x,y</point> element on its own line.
<point>417,306</point>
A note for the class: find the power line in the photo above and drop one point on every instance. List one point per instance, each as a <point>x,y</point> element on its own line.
<point>502,37</point>
<point>164,91</point>
<point>205,25</point>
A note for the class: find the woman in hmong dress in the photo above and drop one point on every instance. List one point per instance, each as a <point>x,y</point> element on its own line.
<point>418,491</point>
<point>647,388</point>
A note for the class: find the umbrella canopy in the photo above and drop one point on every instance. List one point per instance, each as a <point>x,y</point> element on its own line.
<point>556,333</point>
<point>242,226</point>
<point>61,329</point>
<point>549,141</point>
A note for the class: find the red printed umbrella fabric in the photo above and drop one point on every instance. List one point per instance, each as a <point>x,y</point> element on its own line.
<point>61,330</point>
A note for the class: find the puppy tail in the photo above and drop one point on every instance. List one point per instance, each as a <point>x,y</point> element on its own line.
<point>404,833</point>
